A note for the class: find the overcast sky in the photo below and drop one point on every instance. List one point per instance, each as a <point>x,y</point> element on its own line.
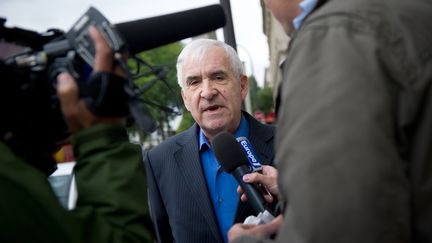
<point>39,15</point>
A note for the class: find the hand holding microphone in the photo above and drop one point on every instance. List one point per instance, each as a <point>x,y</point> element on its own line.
<point>267,177</point>
<point>233,160</point>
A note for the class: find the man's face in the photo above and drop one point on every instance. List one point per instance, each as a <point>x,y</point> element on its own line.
<point>284,11</point>
<point>212,92</point>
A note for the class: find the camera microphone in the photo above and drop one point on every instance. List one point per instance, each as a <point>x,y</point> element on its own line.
<point>138,35</point>
<point>145,34</point>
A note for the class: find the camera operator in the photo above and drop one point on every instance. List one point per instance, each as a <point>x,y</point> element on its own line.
<point>111,205</point>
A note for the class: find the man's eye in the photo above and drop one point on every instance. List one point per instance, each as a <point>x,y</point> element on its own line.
<point>192,82</point>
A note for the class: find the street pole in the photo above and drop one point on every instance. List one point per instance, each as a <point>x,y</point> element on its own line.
<point>229,37</point>
<point>228,30</point>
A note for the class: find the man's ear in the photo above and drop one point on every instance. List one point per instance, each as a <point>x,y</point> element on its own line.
<point>244,86</point>
<point>185,100</point>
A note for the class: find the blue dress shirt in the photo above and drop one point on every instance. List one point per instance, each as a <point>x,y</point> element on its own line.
<point>221,185</point>
<point>306,6</point>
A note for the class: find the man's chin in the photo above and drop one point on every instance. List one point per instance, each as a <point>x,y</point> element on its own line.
<point>215,127</point>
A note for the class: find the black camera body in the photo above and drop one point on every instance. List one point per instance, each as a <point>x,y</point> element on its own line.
<point>74,52</point>
<point>32,123</point>
<point>80,40</point>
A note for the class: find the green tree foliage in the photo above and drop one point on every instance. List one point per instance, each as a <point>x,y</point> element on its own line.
<point>261,98</point>
<point>186,122</point>
<point>160,94</point>
<point>253,92</point>
<point>265,100</point>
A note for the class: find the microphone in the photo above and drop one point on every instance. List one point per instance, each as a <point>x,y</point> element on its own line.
<point>234,161</point>
<point>145,34</point>
<point>139,35</point>
<point>254,163</point>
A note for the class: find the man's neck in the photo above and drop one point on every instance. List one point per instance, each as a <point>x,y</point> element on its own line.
<point>211,134</point>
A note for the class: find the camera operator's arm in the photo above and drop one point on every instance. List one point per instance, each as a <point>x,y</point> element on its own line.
<point>74,109</point>
<point>110,177</point>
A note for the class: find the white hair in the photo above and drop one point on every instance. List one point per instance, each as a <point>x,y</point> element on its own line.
<point>197,48</point>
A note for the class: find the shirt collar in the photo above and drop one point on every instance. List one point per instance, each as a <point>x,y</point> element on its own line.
<point>242,131</point>
<point>306,7</point>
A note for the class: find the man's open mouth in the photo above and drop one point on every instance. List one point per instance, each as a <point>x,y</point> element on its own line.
<point>212,108</point>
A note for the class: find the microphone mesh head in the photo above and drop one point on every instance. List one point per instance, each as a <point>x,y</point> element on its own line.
<point>228,152</point>
<point>144,34</point>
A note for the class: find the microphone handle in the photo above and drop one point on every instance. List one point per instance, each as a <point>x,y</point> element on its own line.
<point>255,198</point>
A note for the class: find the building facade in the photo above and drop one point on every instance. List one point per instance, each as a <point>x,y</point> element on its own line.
<point>278,43</point>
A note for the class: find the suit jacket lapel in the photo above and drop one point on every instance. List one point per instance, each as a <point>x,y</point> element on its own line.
<point>259,137</point>
<point>189,164</point>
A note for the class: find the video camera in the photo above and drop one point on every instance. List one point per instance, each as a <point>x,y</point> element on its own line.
<point>44,56</point>
<point>73,52</point>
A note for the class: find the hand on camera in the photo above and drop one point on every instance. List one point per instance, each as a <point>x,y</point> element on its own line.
<point>75,112</point>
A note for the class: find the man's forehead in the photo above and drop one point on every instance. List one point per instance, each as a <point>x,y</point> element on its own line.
<point>195,71</point>
<point>213,60</point>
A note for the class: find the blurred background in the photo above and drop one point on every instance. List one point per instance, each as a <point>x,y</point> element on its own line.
<point>254,33</point>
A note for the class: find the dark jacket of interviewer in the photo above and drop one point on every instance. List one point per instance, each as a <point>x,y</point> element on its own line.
<point>354,137</point>
<point>111,205</point>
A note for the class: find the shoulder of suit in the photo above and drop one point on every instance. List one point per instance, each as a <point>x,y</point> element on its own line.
<point>255,123</point>
<point>174,141</point>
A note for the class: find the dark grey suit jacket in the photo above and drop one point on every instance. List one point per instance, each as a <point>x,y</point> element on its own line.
<point>180,203</point>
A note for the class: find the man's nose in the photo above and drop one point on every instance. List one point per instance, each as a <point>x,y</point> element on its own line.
<point>208,90</point>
